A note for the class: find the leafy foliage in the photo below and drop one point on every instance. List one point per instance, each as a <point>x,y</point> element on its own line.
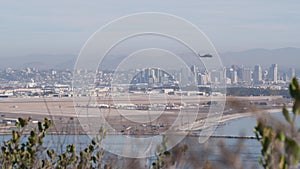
<point>16,153</point>
<point>25,149</point>
<point>280,148</point>
<point>168,158</point>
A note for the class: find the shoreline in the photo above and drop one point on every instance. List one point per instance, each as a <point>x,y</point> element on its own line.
<point>70,119</point>
<point>235,116</point>
<point>225,118</point>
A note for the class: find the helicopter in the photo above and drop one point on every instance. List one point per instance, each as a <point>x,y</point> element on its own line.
<point>205,56</point>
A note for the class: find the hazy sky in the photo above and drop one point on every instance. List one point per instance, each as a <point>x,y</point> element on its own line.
<point>62,27</point>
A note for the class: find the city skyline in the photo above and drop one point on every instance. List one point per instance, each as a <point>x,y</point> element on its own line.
<point>236,74</point>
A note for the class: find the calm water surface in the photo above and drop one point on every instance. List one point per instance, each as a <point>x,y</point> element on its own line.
<point>238,127</point>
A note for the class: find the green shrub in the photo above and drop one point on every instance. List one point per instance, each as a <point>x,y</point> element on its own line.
<point>32,154</point>
<point>279,141</point>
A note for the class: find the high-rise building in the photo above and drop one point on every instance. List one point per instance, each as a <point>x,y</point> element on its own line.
<point>257,74</point>
<point>292,73</point>
<point>246,75</point>
<point>232,75</point>
<point>194,70</point>
<point>239,72</point>
<point>203,79</point>
<point>215,76</point>
<point>265,74</point>
<point>273,73</point>
<point>286,77</point>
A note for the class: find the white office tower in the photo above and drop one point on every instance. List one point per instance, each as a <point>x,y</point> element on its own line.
<point>273,73</point>
<point>194,70</point>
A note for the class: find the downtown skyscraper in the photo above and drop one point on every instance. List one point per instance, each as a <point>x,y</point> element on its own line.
<point>257,74</point>
<point>273,73</point>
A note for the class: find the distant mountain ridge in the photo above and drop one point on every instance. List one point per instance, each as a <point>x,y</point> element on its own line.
<point>40,61</point>
<point>284,57</point>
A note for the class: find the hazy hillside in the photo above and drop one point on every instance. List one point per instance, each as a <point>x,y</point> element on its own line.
<point>41,61</point>
<point>284,57</point>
